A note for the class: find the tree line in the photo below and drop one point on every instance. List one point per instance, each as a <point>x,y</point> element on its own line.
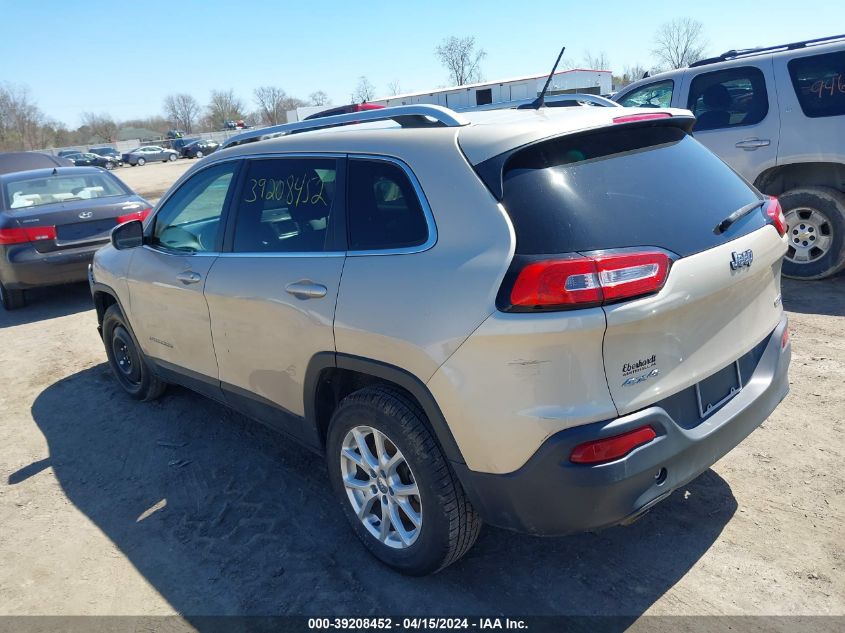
<point>24,126</point>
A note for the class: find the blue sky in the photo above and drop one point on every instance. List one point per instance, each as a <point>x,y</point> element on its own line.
<point>125,57</point>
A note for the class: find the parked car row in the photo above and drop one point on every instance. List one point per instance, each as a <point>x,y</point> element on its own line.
<point>109,158</point>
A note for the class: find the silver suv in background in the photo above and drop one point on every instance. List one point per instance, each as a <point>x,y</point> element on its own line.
<point>777,116</point>
<point>547,319</point>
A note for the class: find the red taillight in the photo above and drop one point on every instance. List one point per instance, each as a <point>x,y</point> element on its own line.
<point>775,214</point>
<point>27,234</point>
<point>557,282</point>
<point>630,118</point>
<point>135,215</point>
<point>784,338</point>
<point>611,448</point>
<point>632,274</point>
<point>592,280</point>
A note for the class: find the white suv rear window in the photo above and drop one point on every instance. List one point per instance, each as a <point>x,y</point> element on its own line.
<point>819,83</point>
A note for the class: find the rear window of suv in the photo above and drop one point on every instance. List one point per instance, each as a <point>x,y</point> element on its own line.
<point>819,83</point>
<point>647,186</point>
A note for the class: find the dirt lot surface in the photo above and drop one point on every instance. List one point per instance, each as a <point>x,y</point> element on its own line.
<point>108,506</point>
<point>153,179</point>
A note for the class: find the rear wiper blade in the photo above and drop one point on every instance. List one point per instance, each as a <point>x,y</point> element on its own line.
<point>725,224</point>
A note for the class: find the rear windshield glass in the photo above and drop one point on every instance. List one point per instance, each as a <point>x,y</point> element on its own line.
<point>35,192</point>
<point>819,83</point>
<point>653,186</point>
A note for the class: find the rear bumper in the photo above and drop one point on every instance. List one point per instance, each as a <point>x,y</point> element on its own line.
<point>22,267</point>
<point>550,495</point>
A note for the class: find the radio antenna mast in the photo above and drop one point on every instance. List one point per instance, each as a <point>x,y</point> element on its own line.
<point>540,101</point>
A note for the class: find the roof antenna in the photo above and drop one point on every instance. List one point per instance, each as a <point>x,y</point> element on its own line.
<point>540,101</point>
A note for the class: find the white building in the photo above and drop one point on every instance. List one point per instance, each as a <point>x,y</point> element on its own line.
<point>457,97</point>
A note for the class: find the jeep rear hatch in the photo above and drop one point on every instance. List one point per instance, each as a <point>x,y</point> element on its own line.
<point>626,217</point>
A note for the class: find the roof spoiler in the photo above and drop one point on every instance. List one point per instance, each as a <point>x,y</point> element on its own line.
<point>492,170</point>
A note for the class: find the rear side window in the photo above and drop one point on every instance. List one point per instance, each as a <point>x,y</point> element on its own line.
<point>819,83</point>
<point>649,186</point>
<point>384,211</point>
<point>285,206</point>
<point>656,95</point>
<point>728,98</point>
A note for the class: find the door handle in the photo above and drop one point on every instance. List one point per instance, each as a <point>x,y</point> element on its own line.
<point>189,277</point>
<point>306,289</point>
<point>750,144</point>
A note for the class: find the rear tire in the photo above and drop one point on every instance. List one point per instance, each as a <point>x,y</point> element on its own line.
<point>126,360</point>
<point>816,220</point>
<point>409,471</point>
<point>11,299</point>
<point>198,155</point>
<point>140,162</point>
<point>172,157</point>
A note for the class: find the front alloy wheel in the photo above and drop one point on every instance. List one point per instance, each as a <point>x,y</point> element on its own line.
<point>381,487</point>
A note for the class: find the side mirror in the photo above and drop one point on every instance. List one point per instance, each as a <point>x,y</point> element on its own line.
<point>127,235</point>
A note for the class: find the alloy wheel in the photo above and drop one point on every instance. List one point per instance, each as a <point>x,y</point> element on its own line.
<point>381,487</point>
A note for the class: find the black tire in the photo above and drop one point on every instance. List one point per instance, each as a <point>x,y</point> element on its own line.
<point>830,204</point>
<point>140,162</point>
<point>126,360</point>
<point>172,157</point>
<point>11,299</point>
<point>110,166</point>
<point>450,524</point>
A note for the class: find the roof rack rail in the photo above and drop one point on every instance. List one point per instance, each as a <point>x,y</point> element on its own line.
<point>747,52</point>
<point>419,115</point>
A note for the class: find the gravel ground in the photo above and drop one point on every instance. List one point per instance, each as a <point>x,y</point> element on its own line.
<point>108,506</point>
<point>153,179</point>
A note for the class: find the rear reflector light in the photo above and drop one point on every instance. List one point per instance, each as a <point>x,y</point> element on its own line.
<point>775,214</point>
<point>630,118</point>
<point>611,448</point>
<point>586,281</point>
<point>28,234</point>
<point>136,215</point>
<point>784,338</point>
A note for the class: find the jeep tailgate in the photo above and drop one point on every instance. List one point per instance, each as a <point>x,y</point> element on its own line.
<point>706,316</point>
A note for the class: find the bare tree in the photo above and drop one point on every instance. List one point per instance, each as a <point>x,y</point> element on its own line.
<point>20,118</point>
<point>393,87</point>
<point>102,126</point>
<point>364,91</point>
<point>319,98</point>
<point>679,43</point>
<point>459,56</point>
<point>222,106</point>
<point>182,110</point>
<point>597,62</point>
<point>629,75</point>
<point>271,106</point>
